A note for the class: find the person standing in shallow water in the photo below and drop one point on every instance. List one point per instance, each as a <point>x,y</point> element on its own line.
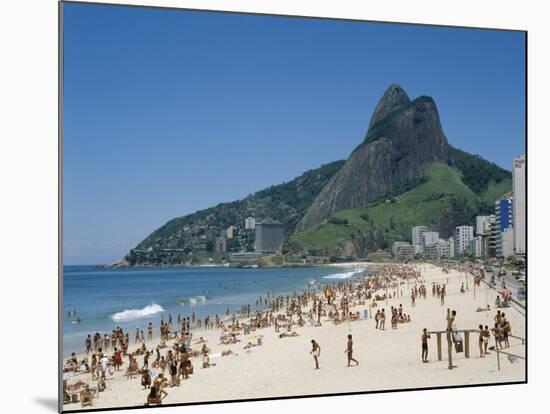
<point>316,352</point>
<point>349,351</point>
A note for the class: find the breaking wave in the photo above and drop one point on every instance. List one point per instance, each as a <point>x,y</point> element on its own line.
<point>194,300</point>
<point>131,314</point>
<point>345,275</point>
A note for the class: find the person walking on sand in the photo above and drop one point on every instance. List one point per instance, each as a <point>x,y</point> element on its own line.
<point>486,336</point>
<point>88,344</point>
<point>481,341</point>
<point>316,352</point>
<point>349,352</point>
<point>425,336</point>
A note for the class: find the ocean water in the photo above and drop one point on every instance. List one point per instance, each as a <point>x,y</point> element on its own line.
<point>130,298</point>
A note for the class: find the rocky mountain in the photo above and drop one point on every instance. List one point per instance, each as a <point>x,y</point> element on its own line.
<point>403,173</point>
<point>403,137</point>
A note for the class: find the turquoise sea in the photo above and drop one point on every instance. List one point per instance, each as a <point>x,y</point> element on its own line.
<point>130,298</point>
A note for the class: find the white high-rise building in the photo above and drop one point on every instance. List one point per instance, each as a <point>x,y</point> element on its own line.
<point>462,237</point>
<point>429,238</point>
<point>250,223</point>
<point>493,236</point>
<point>444,248</point>
<point>475,246</point>
<point>417,233</point>
<point>505,243</point>
<point>518,179</point>
<point>403,250</point>
<point>229,232</point>
<point>452,247</point>
<point>482,225</point>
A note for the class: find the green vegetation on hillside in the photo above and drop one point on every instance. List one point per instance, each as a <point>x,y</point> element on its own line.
<point>477,173</point>
<point>441,202</point>
<point>285,203</point>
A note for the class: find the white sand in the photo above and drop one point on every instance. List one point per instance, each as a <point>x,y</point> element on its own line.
<point>388,359</point>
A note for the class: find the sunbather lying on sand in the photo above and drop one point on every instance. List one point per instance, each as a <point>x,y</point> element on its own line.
<point>287,334</point>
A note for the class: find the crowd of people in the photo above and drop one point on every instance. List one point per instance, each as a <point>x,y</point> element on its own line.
<point>168,361</point>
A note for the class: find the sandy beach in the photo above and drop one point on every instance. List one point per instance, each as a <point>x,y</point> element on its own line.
<point>389,359</point>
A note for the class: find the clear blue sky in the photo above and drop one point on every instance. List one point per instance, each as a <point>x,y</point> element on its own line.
<point>167,112</point>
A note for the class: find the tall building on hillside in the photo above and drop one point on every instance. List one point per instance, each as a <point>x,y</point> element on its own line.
<point>220,245</point>
<point>429,238</point>
<point>269,237</point>
<point>503,222</point>
<point>462,237</point>
<point>452,248</point>
<point>229,232</point>
<point>482,225</point>
<point>518,180</point>
<point>403,250</point>
<point>475,247</point>
<point>444,247</point>
<point>417,232</point>
<point>250,223</point>
<point>431,251</point>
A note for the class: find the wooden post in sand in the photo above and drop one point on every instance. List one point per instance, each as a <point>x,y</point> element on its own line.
<point>439,356</point>
<point>498,354</point>
<point>467,344</point>
<point>449,342</point>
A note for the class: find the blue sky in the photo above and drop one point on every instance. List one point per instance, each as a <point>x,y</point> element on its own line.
<point>167,112</point>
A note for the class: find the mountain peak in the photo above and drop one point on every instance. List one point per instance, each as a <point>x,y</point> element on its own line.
<point>394,98</point>
<point>403,138</point>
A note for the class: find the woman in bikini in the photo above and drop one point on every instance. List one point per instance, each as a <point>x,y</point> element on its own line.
<point>481,341</point>
<point>316,352</point>
<point>349,351</point>
<point>156,395</point>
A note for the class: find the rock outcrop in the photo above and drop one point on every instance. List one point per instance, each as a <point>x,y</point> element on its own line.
<point>403,137</point>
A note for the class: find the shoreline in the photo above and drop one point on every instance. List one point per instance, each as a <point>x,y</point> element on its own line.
<point>195,305</point>
<point>228,265</point>
<point>390,359</point>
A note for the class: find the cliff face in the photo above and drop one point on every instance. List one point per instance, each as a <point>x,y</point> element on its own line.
<point>403,137</point>
<point>394,98</point>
